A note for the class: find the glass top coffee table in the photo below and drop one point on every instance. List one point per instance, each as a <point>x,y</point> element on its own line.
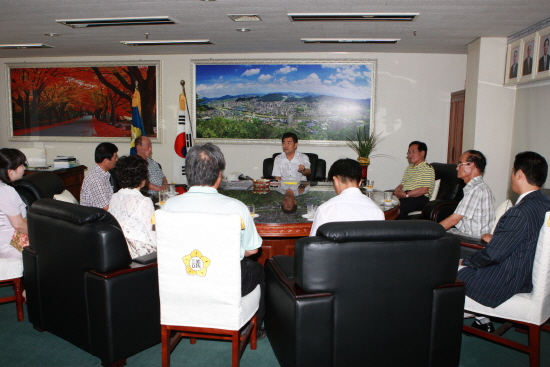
<point>280,230</point>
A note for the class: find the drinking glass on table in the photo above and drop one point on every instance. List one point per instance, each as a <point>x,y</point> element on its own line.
<point>251,209</point>
<point>370,185</point>
<point>388,198</point>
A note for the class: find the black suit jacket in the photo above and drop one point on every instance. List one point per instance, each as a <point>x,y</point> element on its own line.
<point>514,71</point>
<point>505,266</point>
<point>527,66</point>
<point>542,65</point>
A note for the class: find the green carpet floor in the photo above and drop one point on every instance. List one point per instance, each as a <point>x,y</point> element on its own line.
<point>21,345</point>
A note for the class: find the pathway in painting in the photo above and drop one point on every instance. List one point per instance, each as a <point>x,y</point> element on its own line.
<point>82,127</point>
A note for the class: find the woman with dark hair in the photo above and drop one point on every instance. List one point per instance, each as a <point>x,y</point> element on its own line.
<point>12,208</point>
<point>132,210</point>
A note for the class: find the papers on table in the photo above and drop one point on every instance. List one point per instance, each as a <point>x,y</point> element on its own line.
<point>236,185</point>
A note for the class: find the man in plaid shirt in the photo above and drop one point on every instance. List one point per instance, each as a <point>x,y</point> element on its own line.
<point>96,188</point>
<point>157,179</point>
<point>475,214</point>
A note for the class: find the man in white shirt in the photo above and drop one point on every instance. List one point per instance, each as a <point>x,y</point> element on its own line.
<point>205,166</point>
<point>291,165</point>
<point>350,204</point>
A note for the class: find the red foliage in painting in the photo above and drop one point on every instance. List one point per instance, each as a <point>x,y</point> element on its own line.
<point>103,129</point>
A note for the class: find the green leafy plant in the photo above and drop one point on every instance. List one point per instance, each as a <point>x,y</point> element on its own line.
<point>364,144</point>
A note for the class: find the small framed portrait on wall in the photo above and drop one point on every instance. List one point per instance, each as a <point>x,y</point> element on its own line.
<point>513,65</point>
<point>542,61</point>
<point>528,60</point>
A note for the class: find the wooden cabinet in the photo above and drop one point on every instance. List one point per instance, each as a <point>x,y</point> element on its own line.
<point>72,178</point>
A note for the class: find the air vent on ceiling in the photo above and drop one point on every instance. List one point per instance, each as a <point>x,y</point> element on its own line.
<point>351,40</point>
<point>25,45</point>
<point>333,17</point>
<point>107,22</point>
<point>166,42</point>
<point>245,17</point>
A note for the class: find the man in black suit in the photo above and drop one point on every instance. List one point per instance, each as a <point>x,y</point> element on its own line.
<point>514,67</point>
<point>505,266</point>
<point>544,61</point>
<point>528,62</point>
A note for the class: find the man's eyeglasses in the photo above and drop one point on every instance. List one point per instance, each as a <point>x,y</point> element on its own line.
<point>413,152</point>
<point>461,163</point>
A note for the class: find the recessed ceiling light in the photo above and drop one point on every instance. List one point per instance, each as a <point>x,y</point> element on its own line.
<point>51,34</point>
<point>245,17</point>
<point>106,22</point>
<point>351,40</point>
<point>26,45</point>
<point>331,17</point>
<point>166,42</point>
<point>243,29</point>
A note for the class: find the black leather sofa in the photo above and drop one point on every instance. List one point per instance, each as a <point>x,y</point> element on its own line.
<point>38,185</point>
<point>318,167</point>
<point>449,195</point>
<point>367,294</point>
<point>83,286</point>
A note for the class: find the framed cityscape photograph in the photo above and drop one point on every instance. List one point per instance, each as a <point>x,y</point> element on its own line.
<point>83,101</point>
<point>255,101</point>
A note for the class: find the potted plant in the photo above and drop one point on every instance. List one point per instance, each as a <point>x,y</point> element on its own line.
<point>364,144</point>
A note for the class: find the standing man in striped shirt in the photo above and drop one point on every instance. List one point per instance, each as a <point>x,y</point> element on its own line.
<point>418,181</point>
<point>475,214</point>
<point>504,266</point>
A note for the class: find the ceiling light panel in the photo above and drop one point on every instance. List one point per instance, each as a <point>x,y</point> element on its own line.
<point>107,22</point>
<point>166,42</point>
<point>352,40</point>
<point>348,17</point>
<point>245,17</point>
<point>25,45</point>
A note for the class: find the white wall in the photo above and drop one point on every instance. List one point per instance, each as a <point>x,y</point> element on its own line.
<point>489,111</point>
<point>413,95</point>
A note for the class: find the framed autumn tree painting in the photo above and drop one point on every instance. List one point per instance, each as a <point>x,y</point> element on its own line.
<point>82,101</point>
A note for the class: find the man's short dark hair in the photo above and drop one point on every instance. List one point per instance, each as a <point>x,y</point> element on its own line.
<point>422,147</point>
<point>477,158</point>
<point>204,164</point>
<point>131,171</point>
<point>346,169</point>
<point>105,151</point>
<point>290,135</point>
<point>533,166</point>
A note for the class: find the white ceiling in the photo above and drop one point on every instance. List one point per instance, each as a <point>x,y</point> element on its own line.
<point>444,26</point>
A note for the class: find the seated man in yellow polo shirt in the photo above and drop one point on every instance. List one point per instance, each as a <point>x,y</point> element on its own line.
<point>418,181</point>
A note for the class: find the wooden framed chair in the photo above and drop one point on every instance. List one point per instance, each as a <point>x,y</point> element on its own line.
<point>530,310</point>
<point>199,269</point>
<point>11,271</point>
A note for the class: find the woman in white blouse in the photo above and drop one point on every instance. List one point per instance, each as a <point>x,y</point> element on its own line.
<point>12,208</point>
<point>132,210</point>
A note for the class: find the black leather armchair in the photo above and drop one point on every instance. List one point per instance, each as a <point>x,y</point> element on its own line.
<point>369,293</point>
<point>38,185</point>
<point>318,167</point>
<point>449,195</point>
<point>83,286</point>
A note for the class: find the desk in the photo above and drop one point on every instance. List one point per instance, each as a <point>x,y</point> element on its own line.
<point>72,177</point>
<point>280,231</point>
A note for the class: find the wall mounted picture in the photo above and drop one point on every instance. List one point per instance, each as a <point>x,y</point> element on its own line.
<point>544,58</point>
<point>513,62</point>
<point>528,62</point>
<point>255,101</point>
<point>82,101</point>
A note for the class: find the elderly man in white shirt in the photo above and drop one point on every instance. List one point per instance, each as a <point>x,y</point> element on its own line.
<point>350,204</point>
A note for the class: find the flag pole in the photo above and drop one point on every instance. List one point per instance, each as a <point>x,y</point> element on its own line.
<point>182,82</point>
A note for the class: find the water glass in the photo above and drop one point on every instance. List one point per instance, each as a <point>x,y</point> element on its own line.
<point>370,185</point>
<point>251,209</point>
<point>388,197</point>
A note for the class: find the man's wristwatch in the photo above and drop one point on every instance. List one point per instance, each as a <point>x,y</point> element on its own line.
<point>407,193</point>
